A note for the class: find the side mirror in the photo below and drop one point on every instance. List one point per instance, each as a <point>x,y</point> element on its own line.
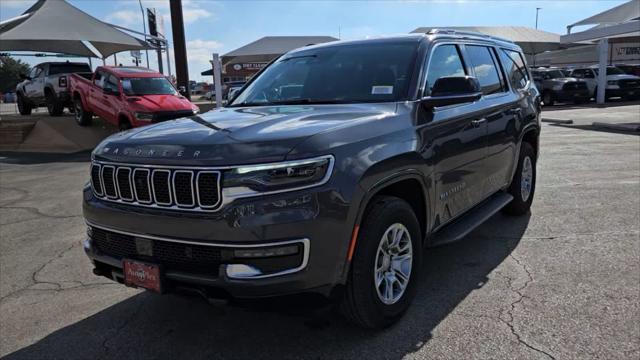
<point>182,90</point>
<point>451,90</point>
<point>24,77</point>
<point>232,93</point>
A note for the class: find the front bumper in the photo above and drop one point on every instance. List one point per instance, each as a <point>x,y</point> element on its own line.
<point>622,92</point>
<point>570,95</point>
<point>316,219</point>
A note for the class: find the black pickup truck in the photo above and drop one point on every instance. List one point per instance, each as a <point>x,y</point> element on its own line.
<point>329,173</point>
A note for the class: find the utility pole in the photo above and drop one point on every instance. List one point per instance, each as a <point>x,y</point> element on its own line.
<point>144,30</point>
<point>180,48</point>
<point>537,10</point>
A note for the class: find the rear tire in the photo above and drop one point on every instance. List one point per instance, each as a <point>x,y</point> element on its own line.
<point>24,108</point>
<point>547,98</point>
<point>523,185</point>
<point>83,117</point>
<point>54,106</point>
<point>383,276</point>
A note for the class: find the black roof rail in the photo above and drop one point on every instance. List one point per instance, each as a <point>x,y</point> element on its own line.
<point>466,33</point>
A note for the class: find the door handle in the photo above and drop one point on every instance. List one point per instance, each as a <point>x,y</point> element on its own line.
<point>477,123</point>
<point>516,111</point>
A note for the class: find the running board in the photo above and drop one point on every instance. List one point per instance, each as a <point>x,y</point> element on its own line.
<point>471,220</point>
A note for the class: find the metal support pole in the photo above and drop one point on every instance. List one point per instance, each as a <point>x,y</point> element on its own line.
<point>168,57</point>
<point>179,46</point>
<point>217,74</point>
<point>603,52</point>
<point>115,59</point>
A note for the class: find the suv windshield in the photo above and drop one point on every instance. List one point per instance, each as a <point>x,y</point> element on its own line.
<point>55,69</point>
<point>554,74</point>
<point>337,74</point>
<point>148,86</point>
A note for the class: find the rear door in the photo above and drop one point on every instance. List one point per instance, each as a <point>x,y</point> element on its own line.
<point>35,87</point>
<point>500,111</point>
<point>456,140</point>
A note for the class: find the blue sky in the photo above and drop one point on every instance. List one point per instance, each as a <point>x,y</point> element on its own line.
<point>221,26</point>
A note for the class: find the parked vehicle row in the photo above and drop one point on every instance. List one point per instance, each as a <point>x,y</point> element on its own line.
<point>580,84</point>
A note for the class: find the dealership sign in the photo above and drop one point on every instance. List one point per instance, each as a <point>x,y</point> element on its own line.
<point>626,51</point>
<point>249,66</point>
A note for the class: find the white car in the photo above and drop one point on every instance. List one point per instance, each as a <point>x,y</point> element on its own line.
<point>619,84</point>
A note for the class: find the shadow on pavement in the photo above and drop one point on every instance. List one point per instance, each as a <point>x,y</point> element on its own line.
<point>592,105</point>
<point>166,327</point>
<point>31,158</point>
<point>598,128</point>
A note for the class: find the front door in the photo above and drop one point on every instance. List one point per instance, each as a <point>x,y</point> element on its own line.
<point>455,139</point>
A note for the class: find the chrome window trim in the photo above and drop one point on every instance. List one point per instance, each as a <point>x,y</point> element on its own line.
<point>306,245</point>
<point>217,204</point>
<point>104,188</point>
<point>118,184</point>
<point>153,187</point>
<point>101,194</point>
<point>133,177</point>
<point>173,186</point>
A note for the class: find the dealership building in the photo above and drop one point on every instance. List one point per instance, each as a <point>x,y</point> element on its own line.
<point>244,62</point>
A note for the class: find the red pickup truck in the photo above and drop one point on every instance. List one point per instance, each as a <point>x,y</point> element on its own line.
<point>127,97</point>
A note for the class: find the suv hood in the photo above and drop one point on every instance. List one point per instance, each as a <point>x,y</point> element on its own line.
<point>232,136</point>
<point>154,103</point>
<point>622,77</point>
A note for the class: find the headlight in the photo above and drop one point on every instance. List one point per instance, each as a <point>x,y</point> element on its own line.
<point>289,175</point>
<point>612,82</point>
<point>143,116</point>
<point>196,111</point>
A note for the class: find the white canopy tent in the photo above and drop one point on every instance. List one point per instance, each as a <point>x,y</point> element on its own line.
<point>620,21</point>
<point>56,26</point>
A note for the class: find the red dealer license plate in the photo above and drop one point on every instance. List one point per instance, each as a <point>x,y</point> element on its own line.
<point>144,275</point>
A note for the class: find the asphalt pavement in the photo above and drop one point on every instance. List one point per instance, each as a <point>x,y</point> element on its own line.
<point>560,283</point>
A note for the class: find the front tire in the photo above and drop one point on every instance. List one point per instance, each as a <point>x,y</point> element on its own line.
<point>523,185</point>
<point>24,108</point>
<point>386,265</point>
<point>83,118</point>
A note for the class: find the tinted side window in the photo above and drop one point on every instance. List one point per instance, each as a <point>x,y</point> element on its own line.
<point>485,69</point>
<point>445,61</point>
<point>111,83</point>
<point>99,79</point>
<point>515,68</point>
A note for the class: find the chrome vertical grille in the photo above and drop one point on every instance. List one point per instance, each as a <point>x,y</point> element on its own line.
<point>159,187</point>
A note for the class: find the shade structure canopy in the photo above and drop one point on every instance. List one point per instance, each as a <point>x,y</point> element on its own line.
<point>531,41</point>
<point>56,26</point>
<point>620,14</point>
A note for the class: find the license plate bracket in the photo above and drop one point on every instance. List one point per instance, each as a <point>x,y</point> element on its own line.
<point>140,274</point>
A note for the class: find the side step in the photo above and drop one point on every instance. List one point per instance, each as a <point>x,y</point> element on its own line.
<point>471,220</point>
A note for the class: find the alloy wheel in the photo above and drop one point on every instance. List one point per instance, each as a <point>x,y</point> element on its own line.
<point>393,264</point>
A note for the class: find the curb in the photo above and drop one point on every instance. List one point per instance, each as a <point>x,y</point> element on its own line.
<point>557,121</point>
<point>633,127</point>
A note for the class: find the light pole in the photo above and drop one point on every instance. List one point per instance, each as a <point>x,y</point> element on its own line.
<point>534,53</point>
<point>144,30</point>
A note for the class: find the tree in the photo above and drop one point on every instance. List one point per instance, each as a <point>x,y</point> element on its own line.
<point>10,70</point>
